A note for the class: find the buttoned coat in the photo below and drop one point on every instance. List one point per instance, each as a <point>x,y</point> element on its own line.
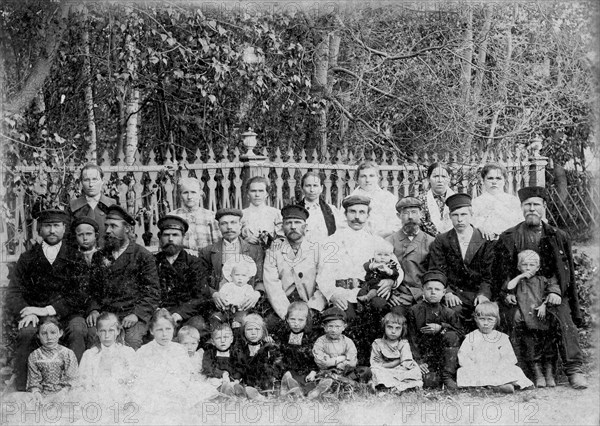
<point>282,268</point>
<point>211,258</point>
<point>467,278</point>
<point>127,285</point>
<point>79,207</point>
<point>181,289</point>
<point>413,257</point>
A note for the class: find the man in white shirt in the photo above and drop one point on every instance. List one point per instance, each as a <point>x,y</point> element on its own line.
<point>92,202</point>
<point>47,280</point>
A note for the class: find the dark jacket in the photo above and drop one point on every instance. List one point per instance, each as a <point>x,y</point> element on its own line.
<point>79,207</point>
<point>297,359</point>
<point>260,370</point>
<point>424,313</point>
<point>127,285</point>
<point>211,258</point>
<point>181,284</point>
<point>556,261</point>
<point>467,278</point>
<point>36,282</point>
<point>214,366</point>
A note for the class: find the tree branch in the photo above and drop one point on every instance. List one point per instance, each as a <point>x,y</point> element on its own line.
<point>375,89</point>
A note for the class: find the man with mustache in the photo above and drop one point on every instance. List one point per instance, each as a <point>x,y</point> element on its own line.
<point>180,275</point>
<point>126,281</point>
<point>230,246</point>
<point>48,280</point>
<point>290,267</point>
<point>554,249</point>
<point>411,247</point>
<point>465,257</point>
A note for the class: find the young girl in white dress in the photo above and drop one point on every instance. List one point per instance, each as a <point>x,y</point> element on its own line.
<point>486,356</point>
<point>106,371</point>
<point>392,363</point>
<point>164,373</point>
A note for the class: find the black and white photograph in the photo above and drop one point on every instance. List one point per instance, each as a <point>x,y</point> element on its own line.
<point>301,212</point>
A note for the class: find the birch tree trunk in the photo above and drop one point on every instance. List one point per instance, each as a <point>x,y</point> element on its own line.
<point>465,79</point>
<point>320,83</point>
<point>89,96</point>
<point>131,141</point>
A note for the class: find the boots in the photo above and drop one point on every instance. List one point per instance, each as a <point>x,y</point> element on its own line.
<point>550,382</point>
<point>449,369</point>
<point>540,380</point>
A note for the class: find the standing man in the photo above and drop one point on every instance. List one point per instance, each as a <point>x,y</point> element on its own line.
<point>203,228</point>
<point>126,282</point>
<point>323,219</point>
<point>411,247</point>
<point>554,248</point>
<point>290,267</point>
<point>230,246</point>
<point>92,203</point>
<point>48,280</point>
<point>465,257</point>
<point>180,274</point>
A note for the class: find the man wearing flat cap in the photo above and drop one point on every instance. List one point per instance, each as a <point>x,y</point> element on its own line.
<point>126,282</point>
<point>411,247</point>
<point>180,274</point>
<point>231,246</point>
<point>465,257</point>
<point>556,262</point>
<point>290,266</point>
<point>92,203</point>
<point>48,280</point>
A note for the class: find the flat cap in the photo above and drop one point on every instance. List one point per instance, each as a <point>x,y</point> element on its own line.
<point>532,191</point>
<point>85,220</point>
<point>117,212</point>
<point>294,211</point>
<point>334,313</point>
<point>408,202</point>
<point>355,199</point>
<point>434,275</point>
<point>228,212</point>
<point>173,222</point>
<point>456,201</point>
<point>53,216</point>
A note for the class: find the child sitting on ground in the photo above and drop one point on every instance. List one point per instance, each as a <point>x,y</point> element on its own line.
<point>189,337</point>
<point>52,368</point>
<point>434,332</point>
<point>392,364</point>
<point>261,224</point>
<point>296,342</point>
<point>529,292</point>
<point>237,272</point>
<point>486,356</point>
<point>218,362</point>
<point>383,265</point>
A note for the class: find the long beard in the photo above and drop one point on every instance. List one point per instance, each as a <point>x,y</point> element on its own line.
<point>113,243</point>
<point>533,220</point>
<point>171,249</point>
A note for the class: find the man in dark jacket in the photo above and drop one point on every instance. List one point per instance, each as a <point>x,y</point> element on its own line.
<point>554,248</point>
<point>180,275</point>
<point>126,283</point>
<point>47,281</point>
<point>465,257</point>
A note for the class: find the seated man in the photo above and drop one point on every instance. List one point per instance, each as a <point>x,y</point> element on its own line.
<point>48,280</point>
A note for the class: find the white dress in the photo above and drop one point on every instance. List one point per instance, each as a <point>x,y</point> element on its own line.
<point>383,220</point>
<point>262,218</point>
<point>404,376</point>
<point>496,213</point>
<point>488,360</point>
<point>234,295</point>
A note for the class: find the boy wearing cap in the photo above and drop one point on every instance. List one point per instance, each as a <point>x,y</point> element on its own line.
<point>556,262</point>
<point>48,280</point>
<point>86,231</point>
<point>180,275</point>
<point>465,257</point>
<point>434,333</point>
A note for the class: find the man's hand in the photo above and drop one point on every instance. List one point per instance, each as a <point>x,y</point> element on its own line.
<point>250,301</point>
<point>479,299</point>
<point>91,318</point>
<point>554,299</point>
<point>339,301</point>
<point>510,299</point>
<point>249,236</point>
<point>130,320</point>
<point>452,300</point>
<point>424,368</point>
<point>219,301</point>
<point>32,310</point>
<point>394,300</point>
<point>385,288</point>
<point>541,311</point>
<point>310,377</point>
<point>431,328</point>
<point>29,319</point>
